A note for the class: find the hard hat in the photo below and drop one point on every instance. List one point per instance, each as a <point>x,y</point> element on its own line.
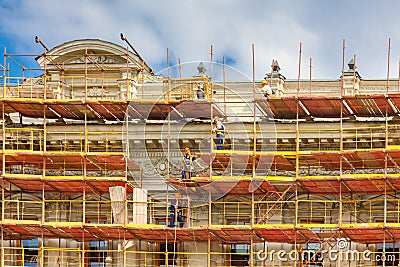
<point>187,149</point>
<point>264,82</point>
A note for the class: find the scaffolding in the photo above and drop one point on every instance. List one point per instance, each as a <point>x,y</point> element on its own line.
<point>91,172</point>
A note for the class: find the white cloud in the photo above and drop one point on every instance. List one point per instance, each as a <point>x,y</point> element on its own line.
<point>188,29</point>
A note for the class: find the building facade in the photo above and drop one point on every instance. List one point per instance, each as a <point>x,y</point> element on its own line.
<point>92,165</point>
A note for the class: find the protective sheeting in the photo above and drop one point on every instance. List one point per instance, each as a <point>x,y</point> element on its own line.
<point>118,204</point>
<point>304,107</point>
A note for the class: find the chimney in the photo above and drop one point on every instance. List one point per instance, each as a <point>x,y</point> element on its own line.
<point>276,80</point>
<point>351,80</point>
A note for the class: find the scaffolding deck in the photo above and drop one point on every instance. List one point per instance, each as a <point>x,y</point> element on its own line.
<point>303,107</point>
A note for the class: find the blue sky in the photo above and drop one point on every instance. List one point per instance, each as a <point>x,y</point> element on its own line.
<point>189,28</point>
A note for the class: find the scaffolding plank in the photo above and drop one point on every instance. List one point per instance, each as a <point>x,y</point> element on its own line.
<point>153,234</point>
<point>283,163</point>
<point>7,108</point>
<point>384,105</point>
<point>151,110</point>
<point>32,108</point>
<point>369,105</point>
<point>366,234</point>
<point>366,185</point>
<point>285,234</point>
<point>108,161</point>
<point>24,159</point>
<point>192,109</point>
<point>243,163</point>
<point>322,186</point>
<point>324,107</point>
<point>263,105</point>
<point>235,186</point>
<point>331,160</point>
<point>30,183</point>
<point>194,235</point>
<point>394,231</point>
<point>394,155</point>
<point>68,109</point>
<point>95,162</point>
<point>225,234</point>
<point>114,110</point>
<point>236,234</point>
<point>395,182</point>
<point>285,108</point>
<point>223,186</point>
<point>28,231</point>
<point>395,100</point>
<point>77,232</point>
<point>365,159</point>
<point>107,232</point>
<point>65,184</point>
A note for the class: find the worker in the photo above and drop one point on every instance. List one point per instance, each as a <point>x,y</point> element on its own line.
<point>219,131</point>
<point>187,164</point>
<point>206,86</point>
<point>201,88</point>
<point>175,212</point>
<point>266,89</point>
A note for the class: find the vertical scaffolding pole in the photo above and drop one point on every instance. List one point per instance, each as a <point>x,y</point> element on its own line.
<point>341,144</point>
<point>3,156</point>
<point>127,146</point>
<point>254,150</point>
<point>208,251</point>
<point>127,74</point>
<point>251,252</point>
<point>310,76</point>
<point>85,144</point>
<point>211,70</point>
<point>127,156</point>
<point>44,159</point>
<point>272,71</point>
<point>254,114</point>
<point>342,77</point>
<point>4,73</point>
<point>41,243</point>
<point>354,74</point>
<point>179,68</point>
<point>297,150</point>
<point>142,79</point>
<point>168,145</point>
<point>2,219</point>
<point>388,68</point>
<point>224,77</point>
<point>169,118</point>
<point>3,137</point>
<point>398,78</point>
<point>386,153</point>
<point>211,119</point>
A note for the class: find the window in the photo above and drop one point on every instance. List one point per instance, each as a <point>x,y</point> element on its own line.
<point>239,253</point>
<point>391,256</point>
<point>171,248</point>
<point>311,255</point>
<point>96,251</point>
<point>30,252</point>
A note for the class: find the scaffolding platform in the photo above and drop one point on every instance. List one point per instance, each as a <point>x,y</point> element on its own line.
<point>303,107</point>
